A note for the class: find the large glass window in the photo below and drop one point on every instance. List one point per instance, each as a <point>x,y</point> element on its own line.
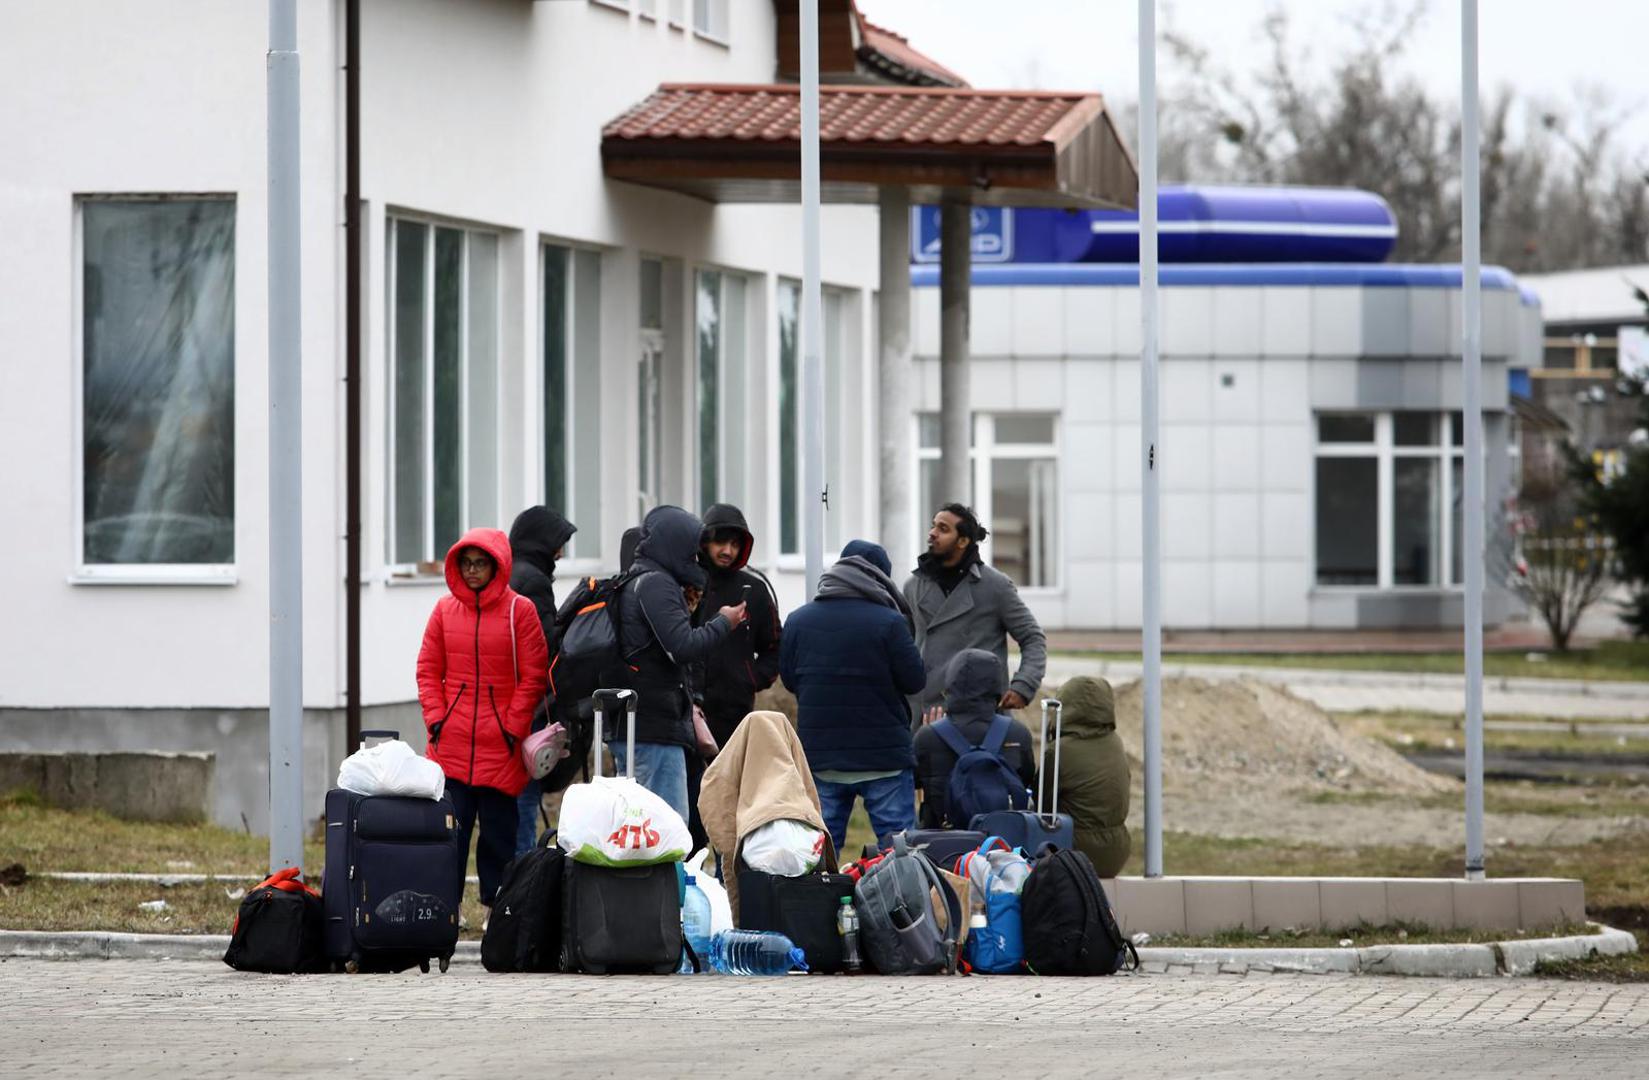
<point>719,303</point>
<point>710,18</point>
<point>791,398</point>
<point>649,388</point>
<point>572,391</point>
<point>443,348</point>
<point>158,381</point>
<point>1015,491</point>
<point>1385,482</point>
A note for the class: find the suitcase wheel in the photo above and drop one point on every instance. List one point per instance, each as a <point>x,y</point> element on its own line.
<point>446,962</point>
<point>353,965</point>
<point>423,967</point>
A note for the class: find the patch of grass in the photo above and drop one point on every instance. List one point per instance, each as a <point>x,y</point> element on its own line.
<point>1607,661</point>
<point>1509,797</point>
<point>1633,968</point>
<point>1359,936</point>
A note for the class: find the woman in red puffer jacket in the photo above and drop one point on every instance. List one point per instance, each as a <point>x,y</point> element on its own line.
<point>481,673</point>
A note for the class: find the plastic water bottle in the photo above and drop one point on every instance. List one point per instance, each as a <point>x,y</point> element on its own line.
<point>695,926</point>
<point>755,952</point>
<point>847,925</point>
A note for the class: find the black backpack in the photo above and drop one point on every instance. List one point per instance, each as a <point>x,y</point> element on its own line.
<point>280,928</point>
<point>1068,925</point>
<point>587,637</point>
<point>524,929</point>
<point>980,781</point>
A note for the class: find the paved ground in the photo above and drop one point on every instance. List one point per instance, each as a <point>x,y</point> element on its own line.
<point>143,1018</point>
<point>1396,691</point>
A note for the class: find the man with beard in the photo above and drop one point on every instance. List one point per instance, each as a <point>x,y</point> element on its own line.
<point>747,660</point>
<point>538,538</point>
<point>851,662</point>
<point>960,603</point>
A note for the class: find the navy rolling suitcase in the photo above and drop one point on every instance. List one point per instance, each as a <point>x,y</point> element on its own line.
<point>621,919</point>
<point>1022,828</point>
<point>393,881</point>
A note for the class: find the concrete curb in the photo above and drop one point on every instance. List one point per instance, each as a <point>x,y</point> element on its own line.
<point>1434,961</point>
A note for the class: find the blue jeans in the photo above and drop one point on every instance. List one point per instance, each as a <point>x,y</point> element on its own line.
<point>890,802</point>
<point>660,768</point>
<point>526,804</point>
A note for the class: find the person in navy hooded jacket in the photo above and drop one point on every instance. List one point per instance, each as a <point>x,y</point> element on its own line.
<point>850,658</point>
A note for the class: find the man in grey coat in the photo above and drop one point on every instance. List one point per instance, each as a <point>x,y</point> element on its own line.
<point>961,603</point>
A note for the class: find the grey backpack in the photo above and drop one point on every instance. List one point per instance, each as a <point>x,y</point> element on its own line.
<point>898,924</point>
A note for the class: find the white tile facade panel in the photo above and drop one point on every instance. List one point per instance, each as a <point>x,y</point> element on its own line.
<point>1428,322</point>
<point>1128,593</point>
<point>991,381</point>
<point>1187,526</point>
<point>1236,525</point>
<point>1285,390</point>
<point>1284,589</point>
<point>1285,320</point>
<point>1088,389</point>
<point>1286,457</point>
<point>1090,594</point>
<point>1385,321</point>
<point>1236,595</point>
<point>1186,391</point>
<point>990,323</point>
<point>1125,441</point>
<point>1499,307</point>
<point>1188,321</point>
<point>1333,384</point>
<point>1332,611</point>
<point>1089,458</point>
<point>1125,395</point>
<point>1088,533</point>
<point>1125,509</point>
<point>1089,319</point>
<point>927,386</point>
<point>1184,455</point>
<point>1238,318</point>
<point>1336,321</point>
<point>1187,594</point>
<point>1127,321</point>
<point>925,312</point>
<point>1236,456</point>
<point>1285,525</point>
<point>1038,322</point>
<point>1039,385</point>
<point>1236,390</point>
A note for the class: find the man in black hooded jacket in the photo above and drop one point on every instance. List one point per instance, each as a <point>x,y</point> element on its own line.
<point>747,660</point>
<point>660,644</point>
<point>538,537</point>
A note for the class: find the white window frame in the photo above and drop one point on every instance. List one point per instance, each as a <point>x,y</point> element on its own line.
<point>621,6</point>
<point>728,406</point>
<point>710,10</point>
<point>579,557</point>
<point>85,573</point>
<point>833,368</point>
<point>984,451</point>
<point>431,568</point>
<point>1385,451</point>
<point>651,342</point>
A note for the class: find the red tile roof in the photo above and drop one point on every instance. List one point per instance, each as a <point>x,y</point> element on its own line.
<point>883,48</point>
<point>849,115</point>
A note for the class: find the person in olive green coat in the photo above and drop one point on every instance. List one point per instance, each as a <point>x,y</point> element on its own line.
<point>1093,774</point>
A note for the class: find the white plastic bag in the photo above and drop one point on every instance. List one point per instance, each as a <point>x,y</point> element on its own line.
<point>391,768</point>
<point>785,848</point>
<point>721,908</point>
<point>614,821</point>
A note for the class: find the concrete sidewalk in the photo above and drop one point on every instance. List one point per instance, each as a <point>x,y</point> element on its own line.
<point>1353,691</point>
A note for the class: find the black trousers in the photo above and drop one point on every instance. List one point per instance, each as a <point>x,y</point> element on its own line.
<point>499,819</point>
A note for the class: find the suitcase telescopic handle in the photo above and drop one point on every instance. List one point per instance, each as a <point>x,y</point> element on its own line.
<point>1057,707</point>
<point>378,733</point>
<point>601,698</point>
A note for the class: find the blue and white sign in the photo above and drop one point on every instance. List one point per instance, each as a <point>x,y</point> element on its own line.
<point>992,234</point>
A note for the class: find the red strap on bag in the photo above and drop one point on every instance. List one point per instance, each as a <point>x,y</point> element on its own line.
<point>286,881</point>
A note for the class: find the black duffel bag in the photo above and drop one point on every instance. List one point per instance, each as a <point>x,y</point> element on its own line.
<point>280,928</point>
<point>803,909</point>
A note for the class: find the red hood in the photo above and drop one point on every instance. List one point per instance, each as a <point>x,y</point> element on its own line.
<point>494,543</point>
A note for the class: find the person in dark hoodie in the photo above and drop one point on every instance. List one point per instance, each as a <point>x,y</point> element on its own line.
<point>659,644</point>
<point>850,658</point>
<point>974,685</point>
<point>538,537</point>
<point>747,662</point>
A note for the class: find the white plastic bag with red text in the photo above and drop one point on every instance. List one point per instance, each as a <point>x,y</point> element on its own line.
<point>614,821</point>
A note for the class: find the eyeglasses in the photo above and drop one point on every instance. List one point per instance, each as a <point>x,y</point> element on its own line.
<point>475,564</point>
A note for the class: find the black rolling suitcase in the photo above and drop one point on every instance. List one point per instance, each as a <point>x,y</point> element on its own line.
<point>1022,828</point>
<point>393,881</point>
<point>621,919</point>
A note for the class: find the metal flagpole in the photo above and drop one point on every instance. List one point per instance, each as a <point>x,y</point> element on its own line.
<point>1149,452</point>
<point>1472,406</point>
<point>813,473</point>
<point>285,448</point>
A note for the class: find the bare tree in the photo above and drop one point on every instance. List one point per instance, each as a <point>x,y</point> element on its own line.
<point>1553,553</point>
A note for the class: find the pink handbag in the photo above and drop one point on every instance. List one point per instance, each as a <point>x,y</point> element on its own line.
<point>542,749</point>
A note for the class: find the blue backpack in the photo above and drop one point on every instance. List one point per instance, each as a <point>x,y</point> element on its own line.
<point>996,876</point>
<point>981,780</point>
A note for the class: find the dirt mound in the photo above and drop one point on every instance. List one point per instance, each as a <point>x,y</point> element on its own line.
<point>1247,736</point>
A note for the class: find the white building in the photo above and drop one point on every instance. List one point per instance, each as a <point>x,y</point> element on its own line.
<point>535,331</point>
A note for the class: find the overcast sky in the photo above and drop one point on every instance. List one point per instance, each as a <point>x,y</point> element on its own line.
<point>1539,47</point>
